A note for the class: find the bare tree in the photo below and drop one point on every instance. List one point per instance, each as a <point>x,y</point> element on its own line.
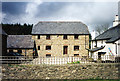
<point>101,28</point>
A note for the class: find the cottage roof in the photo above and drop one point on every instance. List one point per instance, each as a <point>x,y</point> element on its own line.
<point>95,49</point>
<point>20,41</point>
<point>60,27</point>
<point>111,35</point>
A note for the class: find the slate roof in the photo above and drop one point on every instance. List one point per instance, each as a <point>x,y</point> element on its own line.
<point>111,35</point>
<point>95,49</point>
<point>20,41</point>
<point>60,27</point>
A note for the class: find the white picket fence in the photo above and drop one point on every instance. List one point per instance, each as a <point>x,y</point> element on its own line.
<point>57,60</point>
<point>105,57</point>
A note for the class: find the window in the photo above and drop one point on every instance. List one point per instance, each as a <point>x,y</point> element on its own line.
<point>19,51</point>
<point>76,36</point>
<point>65,49</point>
<point>102,42</point>
<point>48,47</point>
<point>64,36</point>
<point>76,48</point>
<point>48,55</point>
<point>48,37</point>
<point>38,36</point>
<point>10,50</point>
<point>76,55</point>
<point>38,47</point>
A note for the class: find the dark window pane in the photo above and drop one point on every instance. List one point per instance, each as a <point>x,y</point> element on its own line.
<point>64,36</point>
<point>38,36</point>
<point>19,51</point>
<point>76,48</point>
<point>48,47</point>
<point>38,47</point>
<point>48,37</point>
<point>10,50</point>
<point>76,36</point>
<point>48,55</point>
<point>76,54</point>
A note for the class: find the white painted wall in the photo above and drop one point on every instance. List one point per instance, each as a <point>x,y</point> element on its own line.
<point>118,47</point>
<point>109,55</point>
<point>99,43</point>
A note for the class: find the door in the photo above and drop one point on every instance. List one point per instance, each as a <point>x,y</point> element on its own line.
<point>65,49</point>
<point>99,55</point>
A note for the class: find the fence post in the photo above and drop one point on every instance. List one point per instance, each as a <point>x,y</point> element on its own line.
<point>72,58</point>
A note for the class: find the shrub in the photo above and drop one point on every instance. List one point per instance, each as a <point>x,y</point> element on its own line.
<point>78,62</point>
<point>90,59</point>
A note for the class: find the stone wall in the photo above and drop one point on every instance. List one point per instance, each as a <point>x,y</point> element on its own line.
<point>69,71</point>
<point>57,42</point>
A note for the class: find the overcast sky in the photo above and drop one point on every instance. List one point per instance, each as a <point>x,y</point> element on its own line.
<point>90,13</point>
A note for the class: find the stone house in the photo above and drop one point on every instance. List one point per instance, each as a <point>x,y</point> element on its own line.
<point>22,44</point>
<point>61,38</point>
<point>106,46</point>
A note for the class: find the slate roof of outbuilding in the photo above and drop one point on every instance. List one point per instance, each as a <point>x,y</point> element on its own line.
<point>111,35</point>
<point>60,27</point>
<point>20,41</point>
<point>95,49</point>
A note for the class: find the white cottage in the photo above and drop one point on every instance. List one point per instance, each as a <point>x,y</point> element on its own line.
<point>106,46</point>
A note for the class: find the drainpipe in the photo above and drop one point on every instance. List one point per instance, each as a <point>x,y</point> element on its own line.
<point>116,47</point>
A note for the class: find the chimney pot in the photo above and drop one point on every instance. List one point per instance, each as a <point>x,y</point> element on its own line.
<point>117,21</point>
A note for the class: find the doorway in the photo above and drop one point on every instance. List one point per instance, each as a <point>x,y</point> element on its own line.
<point>99,55</point>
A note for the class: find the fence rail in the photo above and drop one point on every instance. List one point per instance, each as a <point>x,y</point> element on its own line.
<point>58,60</point>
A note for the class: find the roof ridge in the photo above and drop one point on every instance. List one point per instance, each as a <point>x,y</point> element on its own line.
<point>61,21</point>
<point>60,27</point>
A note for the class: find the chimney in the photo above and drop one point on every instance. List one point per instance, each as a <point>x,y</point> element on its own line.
<point>93,34</point>
<point>117,21</point>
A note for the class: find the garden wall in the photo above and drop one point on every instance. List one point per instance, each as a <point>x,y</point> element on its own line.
<point>68,71</point>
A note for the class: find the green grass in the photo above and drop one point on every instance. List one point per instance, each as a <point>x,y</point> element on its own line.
<point>78,62</point>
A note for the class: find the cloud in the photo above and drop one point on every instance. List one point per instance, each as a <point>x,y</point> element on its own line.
<point>14,8</point>
<point>90,13</point>
<point>31,8</point>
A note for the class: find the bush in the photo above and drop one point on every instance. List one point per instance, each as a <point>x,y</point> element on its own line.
<point>78,62</point>
<point>90,59</point>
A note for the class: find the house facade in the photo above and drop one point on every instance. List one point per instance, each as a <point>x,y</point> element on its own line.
<point>61,38</point>
<point>106,46</point>
<point>22,44</point>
